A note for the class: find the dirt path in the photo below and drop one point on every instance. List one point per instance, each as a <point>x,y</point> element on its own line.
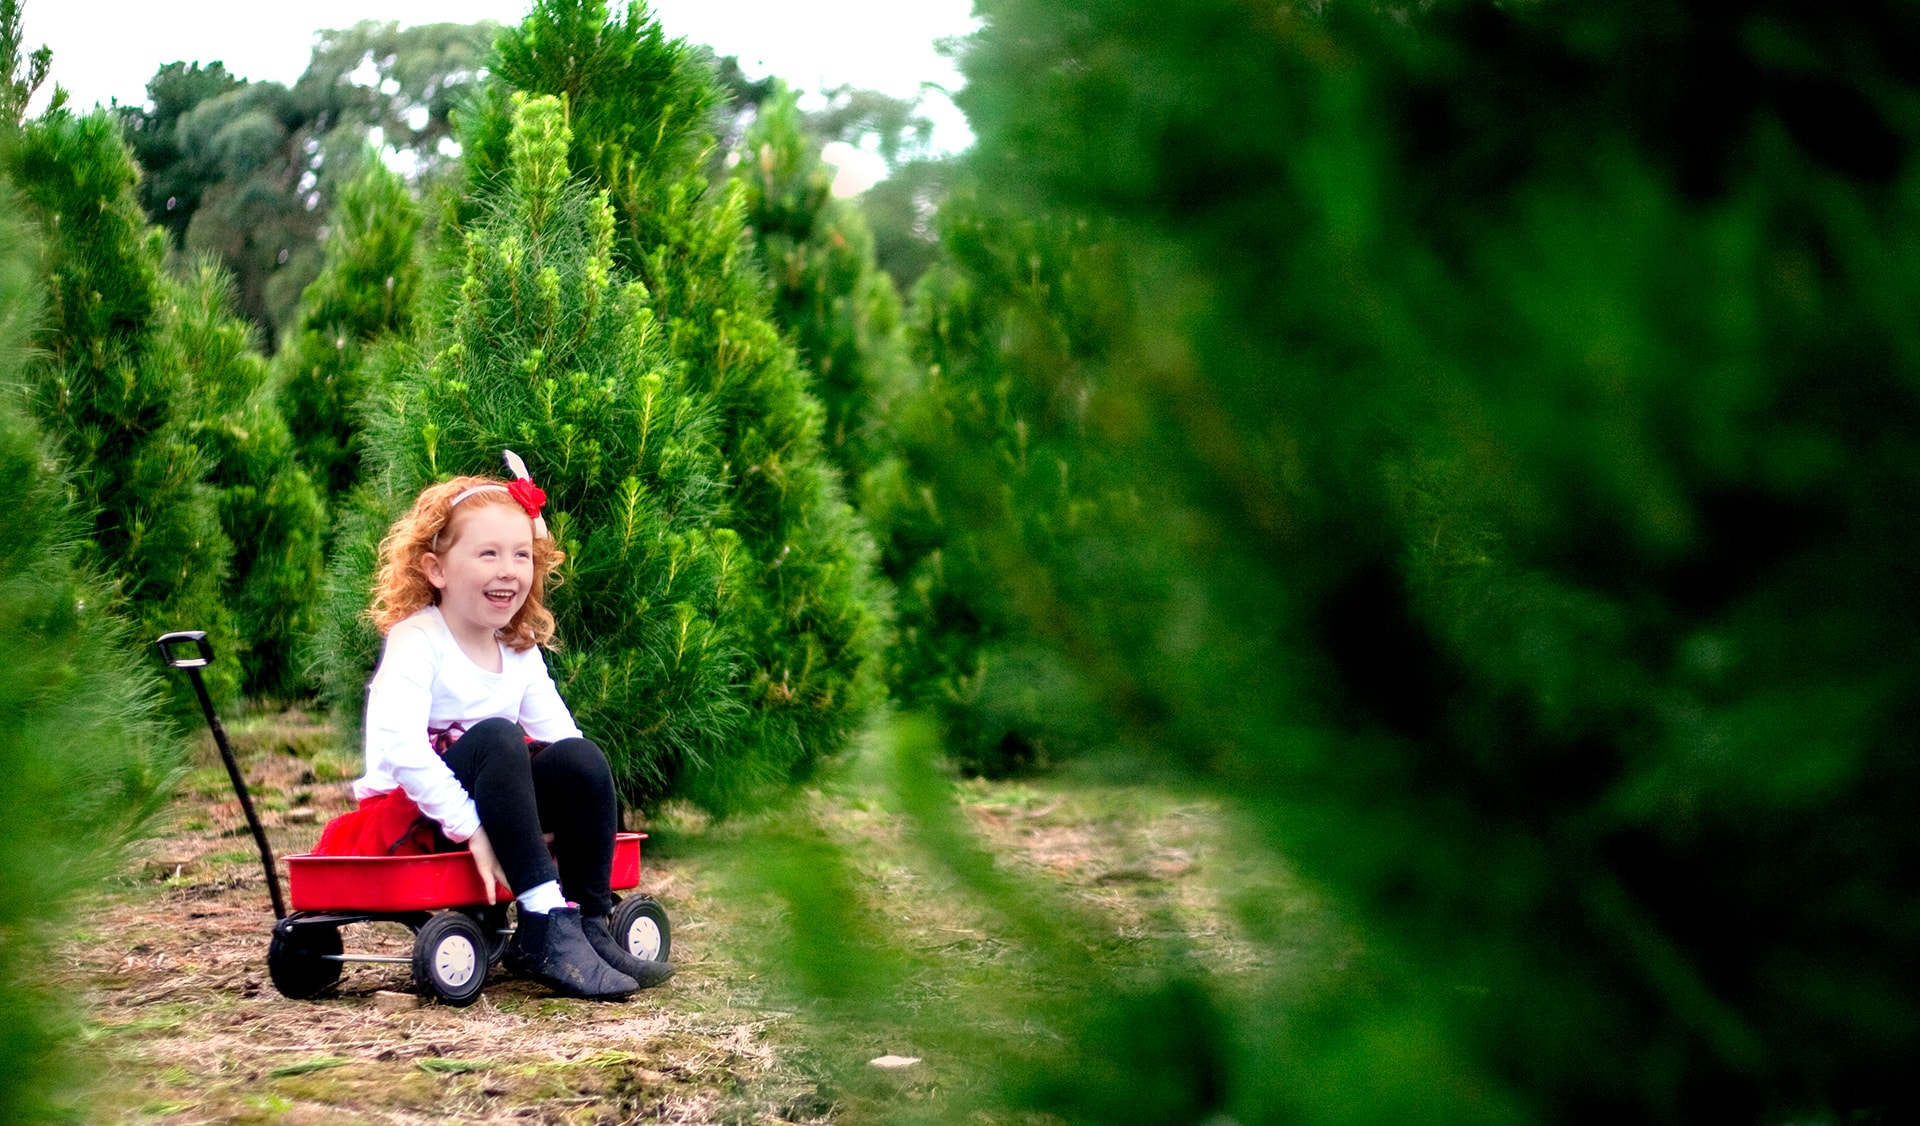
<point>187,1029</point>
<point>184,1027</point>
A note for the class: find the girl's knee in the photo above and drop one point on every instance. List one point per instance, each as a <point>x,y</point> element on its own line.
<point>496,741</point>
<point>581,758</point>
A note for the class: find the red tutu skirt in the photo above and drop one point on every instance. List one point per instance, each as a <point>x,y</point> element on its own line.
<point>386,824</point>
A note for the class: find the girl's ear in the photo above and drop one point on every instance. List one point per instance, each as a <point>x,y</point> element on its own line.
<point>430,567</point>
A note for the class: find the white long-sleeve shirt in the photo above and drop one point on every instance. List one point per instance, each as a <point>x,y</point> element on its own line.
<point>426,681</point>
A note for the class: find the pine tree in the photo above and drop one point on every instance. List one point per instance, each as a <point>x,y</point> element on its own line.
<point>840,311</point>
<point>542,347</point>
<point>1516,409</point>
<point>366,290</point>
<point>343,649</point>
<point>638,103</point>
<point>26,70</point>
<point>116,409</point>
<point>269,506</point>
<point>1003,325</point>
<point>81,749</point>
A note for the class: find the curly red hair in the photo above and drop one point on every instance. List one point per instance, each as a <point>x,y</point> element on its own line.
<point>402,589</point>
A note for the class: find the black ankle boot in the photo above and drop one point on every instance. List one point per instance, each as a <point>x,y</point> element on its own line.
<point>551,948</point>
<point>600,937</point>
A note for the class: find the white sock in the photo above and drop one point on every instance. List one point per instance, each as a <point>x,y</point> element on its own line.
<point>542,899</point>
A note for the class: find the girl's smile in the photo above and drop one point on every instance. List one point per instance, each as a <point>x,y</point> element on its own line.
<point>484,572</point>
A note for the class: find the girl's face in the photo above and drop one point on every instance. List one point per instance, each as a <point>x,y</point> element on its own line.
<point>484,568</point>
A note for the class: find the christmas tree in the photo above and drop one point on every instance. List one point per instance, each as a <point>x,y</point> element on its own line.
<point>840,311</point>
<point>81,750</point>
<point>117,407</point>
<point>1003,325</point>
<point>539,344</point>
<point>268,504</point>
<point>366,290</point>
<point>1514,407</point>
<point>807,605</point>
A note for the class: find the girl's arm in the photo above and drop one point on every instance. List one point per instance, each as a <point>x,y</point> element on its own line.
<point>543,714</point>
<point>398,705</point>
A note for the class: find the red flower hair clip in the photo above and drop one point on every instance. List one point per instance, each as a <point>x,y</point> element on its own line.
<point>522,489</point>
<point>530,495</point>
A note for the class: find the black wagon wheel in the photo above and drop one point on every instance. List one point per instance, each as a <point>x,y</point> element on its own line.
<point>450,953</point>
<point>303,959</point>
<point>640,927</point>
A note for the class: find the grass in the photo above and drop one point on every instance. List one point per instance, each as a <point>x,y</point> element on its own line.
<point>809,940</point>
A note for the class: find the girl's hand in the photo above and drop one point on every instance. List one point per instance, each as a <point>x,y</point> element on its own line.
<point>488,864</point>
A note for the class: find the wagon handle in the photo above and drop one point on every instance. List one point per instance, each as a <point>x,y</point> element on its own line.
<point>193,665</point>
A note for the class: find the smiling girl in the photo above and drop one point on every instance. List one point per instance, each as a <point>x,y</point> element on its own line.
<point>464,722</point>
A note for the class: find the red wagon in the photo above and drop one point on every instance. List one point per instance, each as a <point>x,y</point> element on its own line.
<point>439,896</point>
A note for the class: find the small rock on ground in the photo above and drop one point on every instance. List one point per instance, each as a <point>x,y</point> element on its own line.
<point>889,1063</point>
<point>387,1001</point>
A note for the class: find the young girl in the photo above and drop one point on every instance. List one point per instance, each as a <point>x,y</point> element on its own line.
<point>463,718</point>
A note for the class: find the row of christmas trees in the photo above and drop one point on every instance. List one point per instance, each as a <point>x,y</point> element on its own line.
<point>697,362</point>
<point>701,367</point>
<point>1477,441</point>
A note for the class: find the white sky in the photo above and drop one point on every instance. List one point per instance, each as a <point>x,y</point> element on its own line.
<point>106,49</point>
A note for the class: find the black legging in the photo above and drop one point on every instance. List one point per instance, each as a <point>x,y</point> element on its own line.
<point>565,789</point>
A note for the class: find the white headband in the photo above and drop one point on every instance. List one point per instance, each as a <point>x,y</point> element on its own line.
<point>463,494</point>
<point>531,496</point>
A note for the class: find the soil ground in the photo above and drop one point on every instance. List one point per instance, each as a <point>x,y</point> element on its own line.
<point>182,1025</point>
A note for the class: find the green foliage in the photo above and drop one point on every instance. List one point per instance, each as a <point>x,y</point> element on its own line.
<point>158,402</point>
<point>806,602</point>
<point>541,347</point>
<point>841,313</point>
<point>899,210</point>
<point>269,506</point>
<point>25,71</point>
<point>117,410</point>
<point>1004,327</point>
<point>896,209</point>
<point>176,170</point>
<point>247,171</point>
<point>1499,431</point>
<point>81,750</point>
<point>637,102</point>
<point>366,290</point>
<point>344,647</point>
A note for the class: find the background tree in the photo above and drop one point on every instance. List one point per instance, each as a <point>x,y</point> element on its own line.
<point>115,406</point>
<point>1498,437</point>
<point>639,105</point>
<point>840,312</point>
<point>246,171</point>
<point>1518,439</point>
<point>81,750</point>
<point>1005,328</point>
<point>175,175</point>
<point>26,70</point>
<point>269,506</point>
<point>366,291</point>
<point>541,346</point>
<point>899,209</point>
